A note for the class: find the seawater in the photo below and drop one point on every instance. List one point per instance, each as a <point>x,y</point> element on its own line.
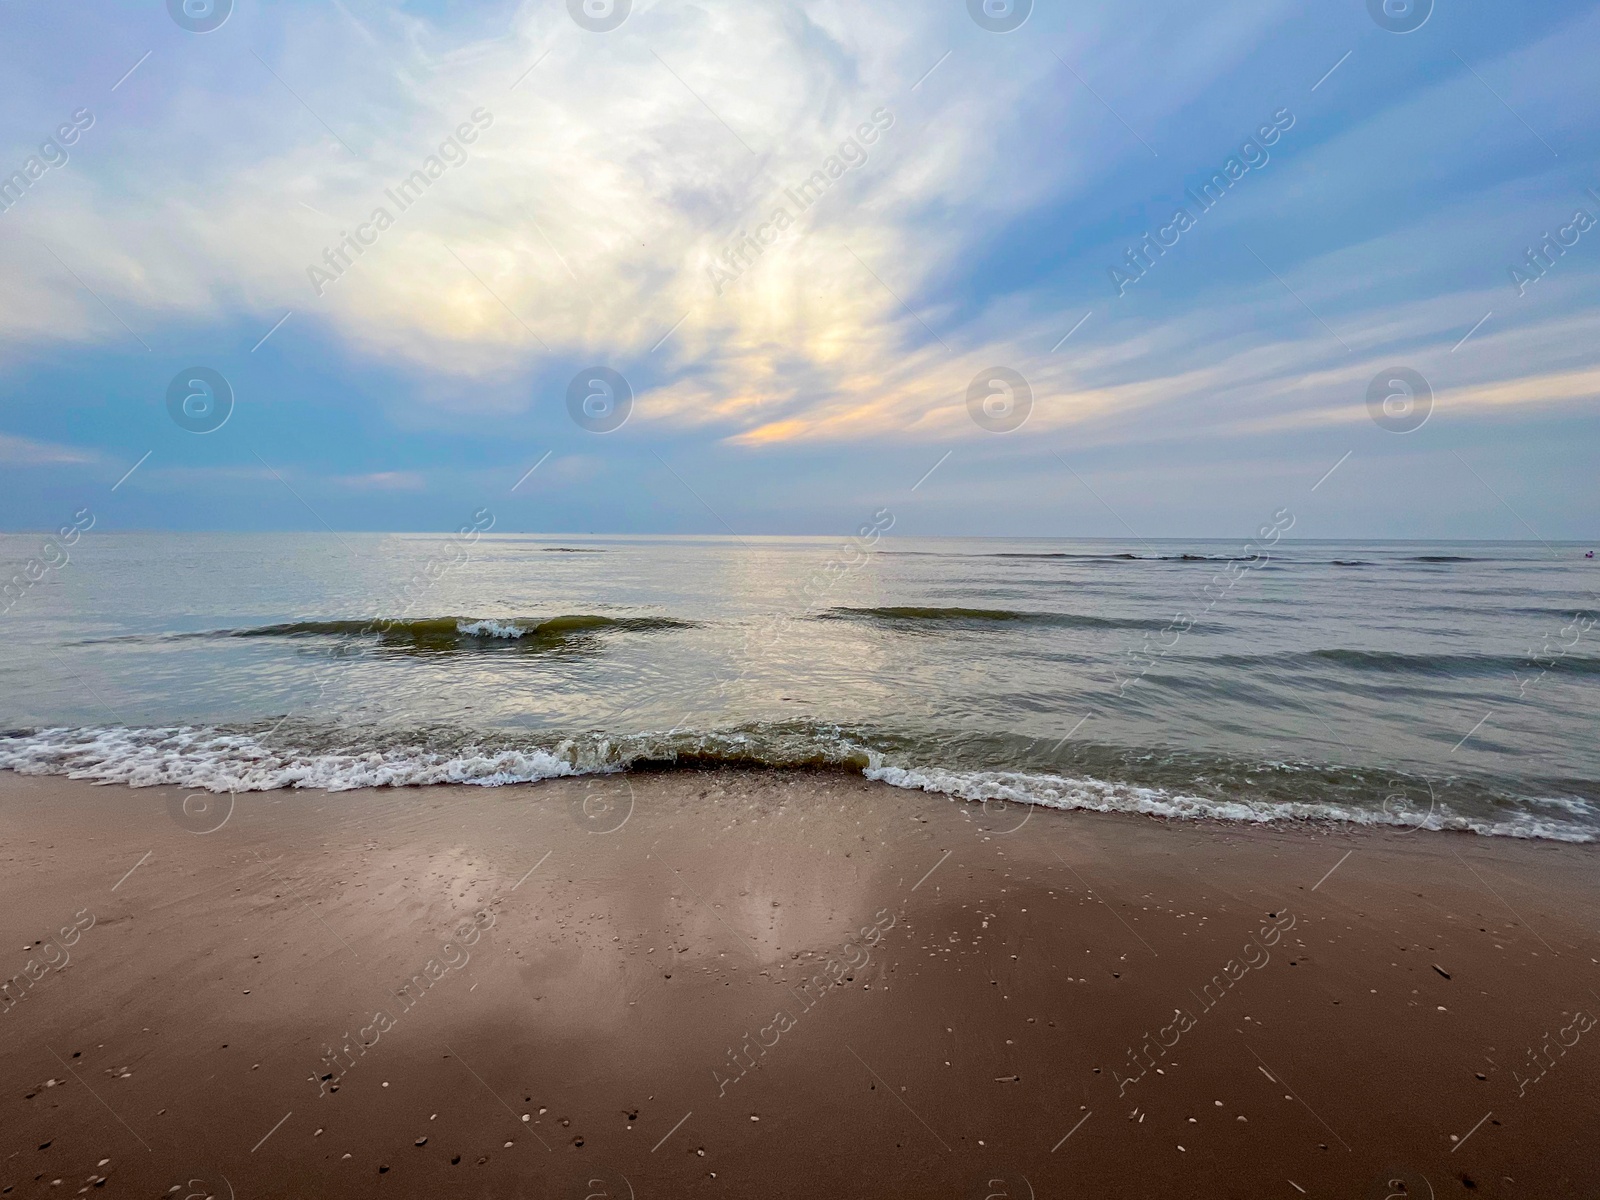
<point>1424,685</point>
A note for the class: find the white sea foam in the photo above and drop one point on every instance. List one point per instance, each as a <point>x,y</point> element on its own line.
<point>499,629</point>
<point>214,761</point>
<point>1098,795</point>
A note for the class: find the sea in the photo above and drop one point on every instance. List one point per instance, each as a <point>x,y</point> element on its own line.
<point>1422,686</point>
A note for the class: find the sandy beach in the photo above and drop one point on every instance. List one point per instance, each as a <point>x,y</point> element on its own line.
<point>778,984</point>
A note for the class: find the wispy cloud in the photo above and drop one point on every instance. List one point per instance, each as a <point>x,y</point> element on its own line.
<point>618,206</point>
<point>25,452</point>
<point>385,481</point>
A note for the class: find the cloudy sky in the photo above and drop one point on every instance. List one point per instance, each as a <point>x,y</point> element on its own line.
<point>814,250</point>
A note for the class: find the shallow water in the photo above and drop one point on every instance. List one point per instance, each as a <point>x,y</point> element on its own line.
<point>1436,685</point>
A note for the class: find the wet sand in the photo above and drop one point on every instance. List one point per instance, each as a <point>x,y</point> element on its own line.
<point>779,984</point>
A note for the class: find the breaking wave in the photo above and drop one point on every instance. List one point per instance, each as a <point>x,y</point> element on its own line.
<point>1097,779</point>
<point>444,634</point>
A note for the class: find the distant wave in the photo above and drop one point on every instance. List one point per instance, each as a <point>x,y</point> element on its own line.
<point>453,633</point>
<point>569,550</point>
<point>1134,557</point>
<point>982,616</point>
<point>1392,662</point>
<point>1126,556</point>
<point>1055,554</point>
<point>1278,557</point>
<point>439,633</point>
<point>1062,554</point>
<point>1449,664</point>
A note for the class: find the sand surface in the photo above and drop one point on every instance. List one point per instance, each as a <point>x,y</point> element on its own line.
<point>764,984</point>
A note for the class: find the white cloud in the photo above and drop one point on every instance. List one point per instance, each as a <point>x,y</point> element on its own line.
<point>623,155</point>
<point>583,222</point>
<point>385,481</point>
<point>25,452</point>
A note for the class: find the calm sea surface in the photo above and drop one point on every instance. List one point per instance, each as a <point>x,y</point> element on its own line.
<point>1425,685</point>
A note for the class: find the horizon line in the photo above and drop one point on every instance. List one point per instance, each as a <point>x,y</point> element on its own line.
<point>734,537</point>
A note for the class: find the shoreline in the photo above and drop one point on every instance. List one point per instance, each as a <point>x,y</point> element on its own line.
<point>231,762</point>
<point>709,981</point>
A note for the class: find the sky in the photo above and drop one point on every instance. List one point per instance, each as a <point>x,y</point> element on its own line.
<point>695,266</point>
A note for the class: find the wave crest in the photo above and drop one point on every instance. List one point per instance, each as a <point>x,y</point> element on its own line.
<point>985,616</point>
<point>338,759</point>
<point>440,634</point>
